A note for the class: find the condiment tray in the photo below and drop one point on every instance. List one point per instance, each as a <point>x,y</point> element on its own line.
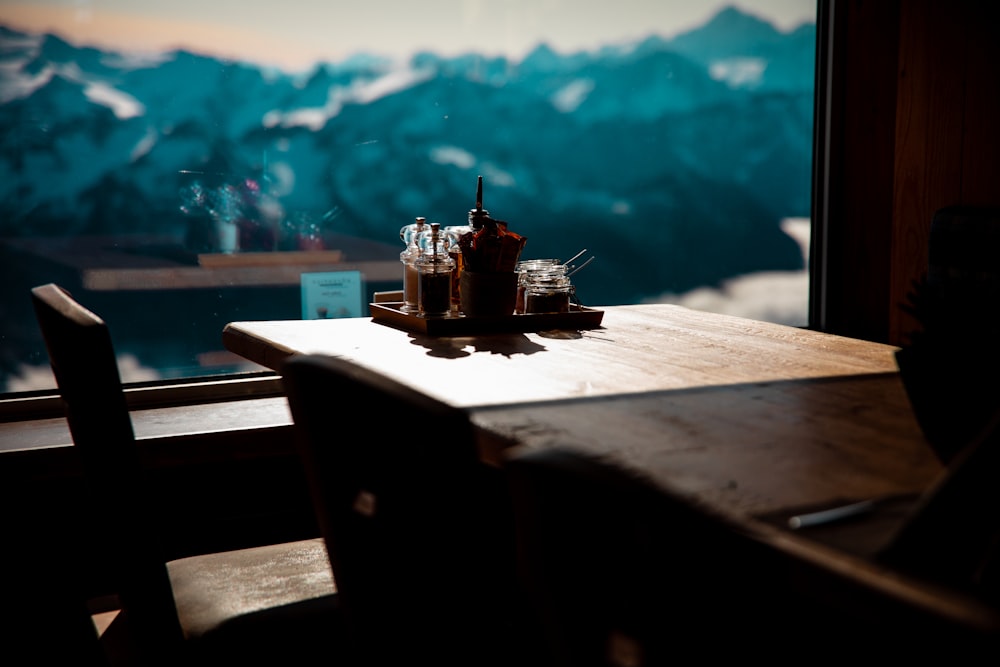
<point>391,314</point>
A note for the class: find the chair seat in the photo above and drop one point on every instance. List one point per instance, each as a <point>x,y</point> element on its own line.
<point>273,604</point>
<point>213,589</point>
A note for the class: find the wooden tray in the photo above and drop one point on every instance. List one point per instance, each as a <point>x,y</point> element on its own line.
<point>391,314</point>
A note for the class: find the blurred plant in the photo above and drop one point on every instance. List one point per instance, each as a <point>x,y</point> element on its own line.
<point>950,365</point>
<point>955,312</point>
<point>256,216</point>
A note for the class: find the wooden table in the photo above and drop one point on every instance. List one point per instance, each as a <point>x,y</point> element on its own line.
<point>160,262</point>
<point>748,416</point>
<point>744,417</point>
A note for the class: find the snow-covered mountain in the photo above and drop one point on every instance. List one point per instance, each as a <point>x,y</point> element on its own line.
<point>672,160</point>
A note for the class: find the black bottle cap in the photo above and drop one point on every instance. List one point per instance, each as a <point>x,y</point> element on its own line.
<point>478,215</point>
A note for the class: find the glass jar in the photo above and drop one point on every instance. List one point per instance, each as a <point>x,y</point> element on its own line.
<point>525,268</point>
<point>408,233</point>
<point>548,291</point>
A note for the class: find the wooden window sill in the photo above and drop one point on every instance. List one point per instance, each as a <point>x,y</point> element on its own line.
<point>178,435</point>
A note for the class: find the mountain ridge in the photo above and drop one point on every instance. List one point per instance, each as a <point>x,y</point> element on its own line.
<point>649,155</point>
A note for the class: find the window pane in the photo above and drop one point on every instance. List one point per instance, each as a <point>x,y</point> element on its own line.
<point>179,165</point>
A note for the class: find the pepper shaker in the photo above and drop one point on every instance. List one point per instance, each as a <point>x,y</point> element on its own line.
<point>434,276</point>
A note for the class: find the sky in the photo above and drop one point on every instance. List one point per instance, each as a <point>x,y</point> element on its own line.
<point>295,34</point>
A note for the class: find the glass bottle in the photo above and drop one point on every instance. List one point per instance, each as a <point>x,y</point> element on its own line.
<point>475,222</point>
<point>451,235</point>
<point>410,235</point>
<point>434,276</point>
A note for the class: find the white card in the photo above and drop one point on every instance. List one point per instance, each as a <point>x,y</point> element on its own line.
<point>332,294</point>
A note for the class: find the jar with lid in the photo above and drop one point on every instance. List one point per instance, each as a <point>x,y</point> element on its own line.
<point>434,276</point>
<point>410,235</point>
<point>548,291</point>
<point>525,268</point>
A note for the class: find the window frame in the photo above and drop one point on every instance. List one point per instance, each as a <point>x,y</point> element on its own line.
<point>47,403</point>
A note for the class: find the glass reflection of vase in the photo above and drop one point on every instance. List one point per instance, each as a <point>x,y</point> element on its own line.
<point>310,237</point>
<point>228,236</point>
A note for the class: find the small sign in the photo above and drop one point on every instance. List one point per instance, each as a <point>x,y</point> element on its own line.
<point>332,294</point>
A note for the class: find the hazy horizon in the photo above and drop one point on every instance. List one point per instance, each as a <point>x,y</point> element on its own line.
<point>296,34</point>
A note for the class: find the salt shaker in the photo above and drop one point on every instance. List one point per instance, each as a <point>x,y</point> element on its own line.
<point>410,235</point>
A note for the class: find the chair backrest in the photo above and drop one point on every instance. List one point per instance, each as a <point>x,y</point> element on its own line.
<point>418,530</point>
<point>620,574</point>
<point>83,361</point>
<point>625,574</point>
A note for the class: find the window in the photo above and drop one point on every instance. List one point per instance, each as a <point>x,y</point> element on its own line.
<point>182,177</point>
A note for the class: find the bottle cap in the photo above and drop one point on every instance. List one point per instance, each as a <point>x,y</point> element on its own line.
<point>478,215</point>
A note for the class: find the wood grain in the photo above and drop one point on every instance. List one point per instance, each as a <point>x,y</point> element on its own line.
<point>747,416</point>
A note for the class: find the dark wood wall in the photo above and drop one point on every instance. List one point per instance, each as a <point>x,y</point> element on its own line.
<point>913,125</point>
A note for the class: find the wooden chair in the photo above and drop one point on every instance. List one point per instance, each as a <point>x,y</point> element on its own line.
<point>267,603</point>
<point>952,532</point>
<point>620,573</point>
<point>419,531</point>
